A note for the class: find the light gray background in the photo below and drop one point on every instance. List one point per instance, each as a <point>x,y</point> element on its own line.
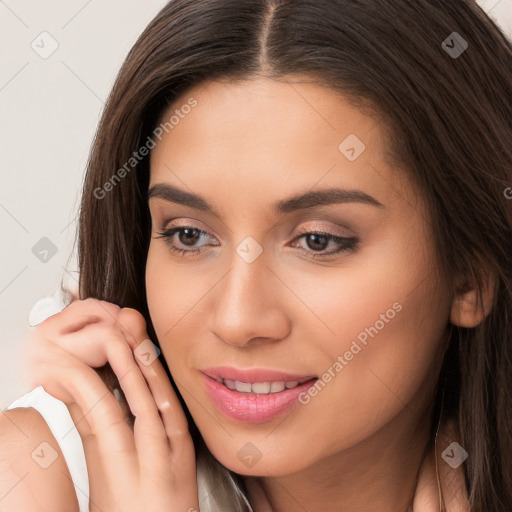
<point>50,108</point>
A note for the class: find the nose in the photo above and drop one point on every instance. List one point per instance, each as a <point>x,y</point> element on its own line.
<point>250,305</point>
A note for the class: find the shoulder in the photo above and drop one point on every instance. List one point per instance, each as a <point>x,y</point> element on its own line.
<point>33,472</point>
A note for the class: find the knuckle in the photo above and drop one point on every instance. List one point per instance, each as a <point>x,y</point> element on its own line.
<point>85,302</point>
<point>105,309</point>
<point>77,306</point>
<point>132,320</point>
<point>110,307</point>
<point>132,315</point>
<point>181,433</point>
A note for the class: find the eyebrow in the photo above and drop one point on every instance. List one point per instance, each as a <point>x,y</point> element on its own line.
<point>303,201</point>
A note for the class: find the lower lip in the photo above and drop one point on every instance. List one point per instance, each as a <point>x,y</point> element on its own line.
<point>252,408</point>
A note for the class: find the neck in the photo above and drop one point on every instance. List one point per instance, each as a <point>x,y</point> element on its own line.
<point>380,473</point>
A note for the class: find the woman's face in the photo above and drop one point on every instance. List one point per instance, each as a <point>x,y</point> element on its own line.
<point>248,168</point>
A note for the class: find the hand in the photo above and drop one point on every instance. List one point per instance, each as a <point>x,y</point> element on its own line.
<point>151,467</point>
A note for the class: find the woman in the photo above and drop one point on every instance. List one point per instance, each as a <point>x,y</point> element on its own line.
<point>305,207</point>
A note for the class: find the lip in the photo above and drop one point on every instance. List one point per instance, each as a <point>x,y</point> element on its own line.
<point>254,375</point>
<point>252,408</point>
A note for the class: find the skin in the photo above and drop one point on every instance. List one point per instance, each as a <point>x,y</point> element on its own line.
<point>149,467</point>
<point>361,440</point>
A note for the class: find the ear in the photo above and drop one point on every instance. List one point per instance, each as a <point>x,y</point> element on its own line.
<point>467,310</point>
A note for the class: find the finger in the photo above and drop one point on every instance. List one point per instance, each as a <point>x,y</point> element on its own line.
<point>95,345</point>
<point>80,313</point>
<point>73,318</point>
<point>176,465</point>
<point>152,369</point>
<point>115,451</point>
<point>72,382</point>
<point>117,443</point>
<point>98,344</point>
<point>173,416</point>
<point>89,344</point>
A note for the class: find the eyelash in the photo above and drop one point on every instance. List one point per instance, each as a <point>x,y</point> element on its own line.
<point>347,244</point>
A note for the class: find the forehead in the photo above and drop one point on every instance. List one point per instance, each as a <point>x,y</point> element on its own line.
<point>268,136</point>
<point>268,111</point>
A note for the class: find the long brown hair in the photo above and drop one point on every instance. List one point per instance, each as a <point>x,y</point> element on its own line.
<point>449,123</point>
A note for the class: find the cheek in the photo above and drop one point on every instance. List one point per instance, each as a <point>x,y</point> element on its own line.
<point>174,296</point>
<point>380,367</point>
<point>388,322</point>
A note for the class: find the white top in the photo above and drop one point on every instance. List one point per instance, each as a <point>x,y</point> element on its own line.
<point>61,424</point>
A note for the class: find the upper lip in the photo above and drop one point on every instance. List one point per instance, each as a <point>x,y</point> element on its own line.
<point>254,374</point>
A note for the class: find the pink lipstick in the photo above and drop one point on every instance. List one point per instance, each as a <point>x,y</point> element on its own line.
<point>255,395</point>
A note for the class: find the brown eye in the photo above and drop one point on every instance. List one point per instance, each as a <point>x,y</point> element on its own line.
<point>188,236</point>
<point>317,242</point>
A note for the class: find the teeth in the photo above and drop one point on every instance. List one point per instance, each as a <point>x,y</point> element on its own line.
<point>276,387</point>
<point>258,388</point>
<point>243,387</point>
<point>229,384</point>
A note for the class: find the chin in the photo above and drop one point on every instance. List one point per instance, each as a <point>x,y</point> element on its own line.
<point>252,459</point>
